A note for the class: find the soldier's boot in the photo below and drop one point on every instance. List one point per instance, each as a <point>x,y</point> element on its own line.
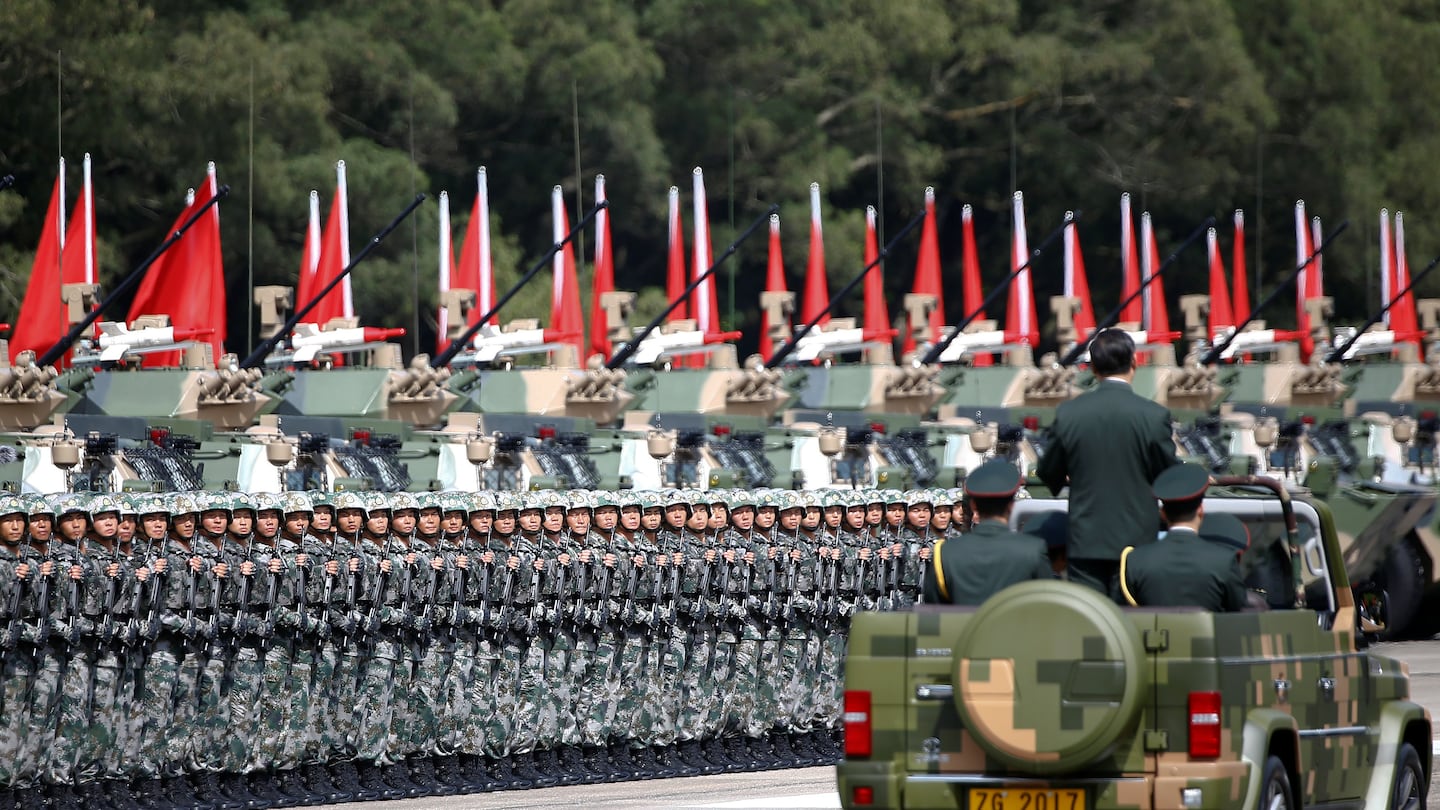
<point>321,787</point>
<point>712,751</point>
<point>237,787</point>
<point>564,763</point>
<point>260,785</point>
<point>618,752</point>
<point>178,792</point>
<point>118,796</point>
<point>372,779</point>
<point>346,777</point>
<point>595,760</point>
<point>837,741</point>
<point>741,753</point>
<point>146,792</point>
<point>766,748</point>
<point>498,770</point>
<point>398,777</point>
<point>802,757</point>
<point>207,792</point>
<point>423,773</point>
<point>677,756</point>
<point>291,785</point>
<point>31,799</point>
<point>527,768</point>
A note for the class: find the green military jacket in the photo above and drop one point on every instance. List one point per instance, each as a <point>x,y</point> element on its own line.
<point>1111,443</point>
<point>1183,570</point>
<point>969,569</point>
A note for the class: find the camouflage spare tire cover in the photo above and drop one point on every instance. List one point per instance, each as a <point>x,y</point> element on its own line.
<point>1049,675</point>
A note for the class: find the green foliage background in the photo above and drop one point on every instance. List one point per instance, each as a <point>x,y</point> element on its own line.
<point>1196,108</point>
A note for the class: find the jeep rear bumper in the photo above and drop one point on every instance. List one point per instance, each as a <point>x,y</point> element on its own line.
<point>1220,785</point>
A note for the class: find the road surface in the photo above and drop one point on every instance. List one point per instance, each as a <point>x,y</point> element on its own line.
<point>802,788</point>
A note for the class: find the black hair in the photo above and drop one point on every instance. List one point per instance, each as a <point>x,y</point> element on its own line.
<point>1112,352</point>
<point>990,507</point>
<point>1180,511</point>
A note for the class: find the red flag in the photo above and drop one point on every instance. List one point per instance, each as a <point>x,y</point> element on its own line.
<point>774,282</point>
<point>475,271</point>
<point>675,282</point>
<point>1077,285</point>
<point>1134,311</point>
<point>1241,303</point>
<point>310,256</point>
<point>877,316</point>
<point>971,296</point>
<point>604,275</point>
<point>1157,312</point>
<point>817,288</point>
<point>188,282</point>
<point>78,262</point>
<point>927,274</point>
<point>1387,265</point>
<point>446,252</point>
<point>1404,309</point>
<point>334,258</point>
<point>1020,307</point>
<point>565,292</point>
<point>41,321</point>
<point>707,308</point>
<point>1221,316</point>
<point>1303,249</point>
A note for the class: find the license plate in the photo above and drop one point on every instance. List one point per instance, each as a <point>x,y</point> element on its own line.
<point>1027,799</point>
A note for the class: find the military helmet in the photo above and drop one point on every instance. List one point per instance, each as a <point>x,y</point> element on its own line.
<point>67,503</point>
<point>939,497</point>
<point>266,501</point>
<point>621,498</point>
<point>809,499</point>
<point>403,500</point>
<point>768,497</point>
<point>182,503</point>
<point>153,504</point>
<point>37,505</point>
<point>11,505</point>
<point>740,498</point>
<point>579,499</point>
<point>375,502</point>
<point>506,502</point>
<point>129,503</point>
<point>321,499</point>
<point>294,501</point>
<point>427,500</point>
<point>720,497</point>
<point>346,500</point>
<point>875,496</point>
<point>241,501</point>
<point>918,497</point>
<point>531,501</point>
<point>481,502</point>
<point>104,502</point>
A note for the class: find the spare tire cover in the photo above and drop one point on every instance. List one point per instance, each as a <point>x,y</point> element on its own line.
<point>1049,675</point>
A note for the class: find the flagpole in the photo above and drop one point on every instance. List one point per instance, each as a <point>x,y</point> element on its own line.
<point>933,356</point>
<point>63,345</point>
<point>789,346</point>
<point>444,358</point>
<point>628,347</point>
<point>1214,355</point>
<point>268,345</point>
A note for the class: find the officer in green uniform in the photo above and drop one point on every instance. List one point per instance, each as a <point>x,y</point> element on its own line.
<point>967,569</point>
<point>1109,445</point>
<point>1184,569</point>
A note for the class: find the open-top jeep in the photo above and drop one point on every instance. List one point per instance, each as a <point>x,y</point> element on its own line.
<point>1051,697</point>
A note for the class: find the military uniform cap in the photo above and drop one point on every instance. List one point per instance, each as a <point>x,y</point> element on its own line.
<point>104,502</point>
<point>993,479</point>
<point>347,500</point>
<point>1182,482</point>
<point>68,503</point>
<point>403,500</point>
<point>38,505</point>
<point>294,501</point>
<point>11,505</point>
<point>1225,529</point>
<point>266,502</point>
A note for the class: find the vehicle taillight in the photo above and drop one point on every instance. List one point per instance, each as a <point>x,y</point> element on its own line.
<point>857,724</point>
<point>862,796</point>
<point>1205,725</point>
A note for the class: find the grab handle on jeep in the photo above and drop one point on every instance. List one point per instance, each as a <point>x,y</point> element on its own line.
<point>934,691</point>
<point>1292,528</point>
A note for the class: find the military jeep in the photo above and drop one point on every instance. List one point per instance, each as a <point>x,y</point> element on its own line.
<point>1051,697</point>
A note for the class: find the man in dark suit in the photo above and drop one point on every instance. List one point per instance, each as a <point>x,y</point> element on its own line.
<point>1184,569</point>
<point>967,569</point>
<point>1108,444</point>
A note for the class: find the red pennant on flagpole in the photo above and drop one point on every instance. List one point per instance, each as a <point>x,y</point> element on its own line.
<point>1020,307</point>
<point>1077,285</point>
<point>604,274</point>
<point>817,287</point>
<point>877,315</point>
<point>1404,309</point>
<point>675,276</point>
<point>774,282</point>
<point>971,294</point>
<point>1240,304</point>
<point>334,258</point>
<point>1303,249</point>
<point>565,292</point>
<point>1134,311</point>
<point>927,274</point>
<point>1157,311</point>
<point>1221,317</point>
<point>41,320</point>
<point>475,271</point>
<point>446,253</point>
